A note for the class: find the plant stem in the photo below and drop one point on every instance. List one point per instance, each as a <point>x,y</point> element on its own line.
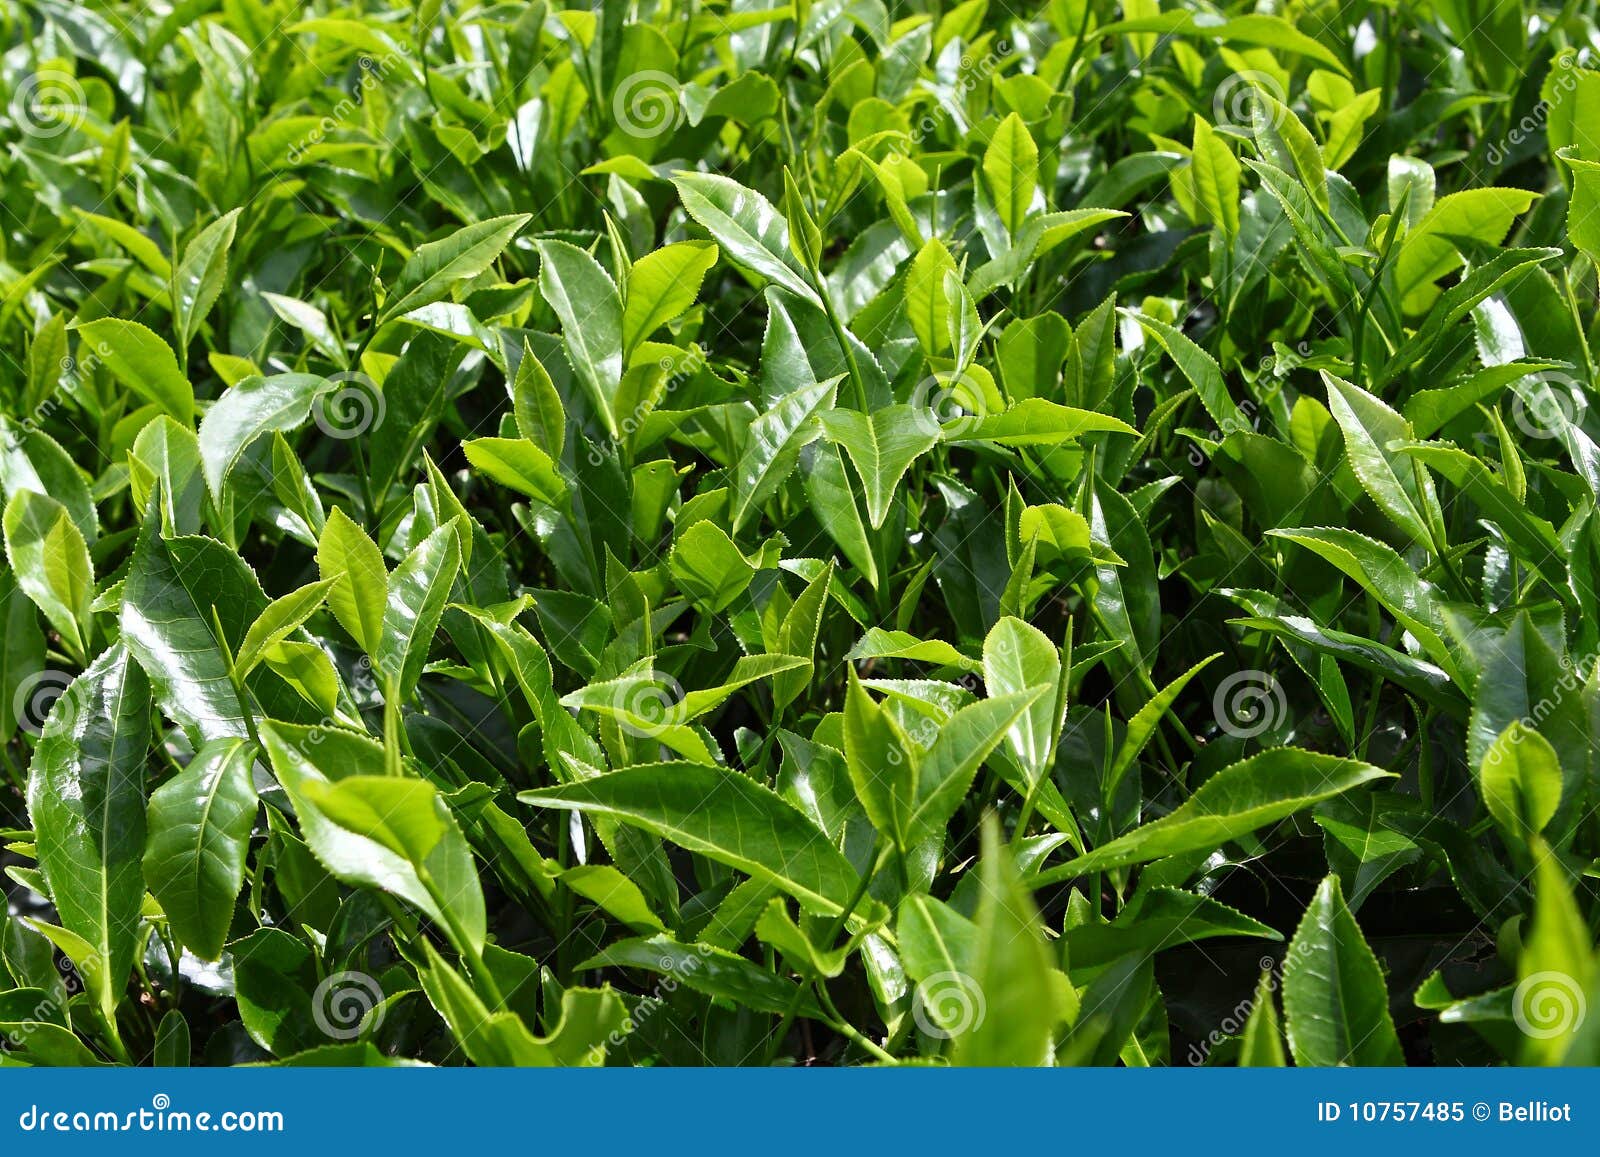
<point>876,858</point>
<point>842,1026</point>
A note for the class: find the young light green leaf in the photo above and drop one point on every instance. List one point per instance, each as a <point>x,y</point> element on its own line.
<point>419,588</point>
<point>86,802</point>
<point>1520,779</point>
<point>1334,999</point>
<point>833,501</point>
<point>52,566</point>
<point>1142,727</point>
<point>585,298</point>
<point>1429,250</point>
<point>935,939</point>
<point>882,448</point>
<point>1033,422</point>
<point>253,407</point>
<point>773,444</point>
<point>200,276</point>
<point>1012,974</point>
<point>709,567</point>
<point>1018,658</point>
<point>1011,166</point>
<point>1200,368</point>
<point>1401,490</point>
<point>519,464</point>
<point>1555,968</point>
<point>1583,210</point>
<point>950,765</point>
<point>661,286</point>
<point>176,592</point>
<point>443,884</point>
<point>1216,178</point>
<point>878,643</point>
<point>882,762</point>
<point>360,582</point>
<point>402,814</point>
<point>776,927</point>
<point>165,459</point>
<point>1239,799</point>
<point>1157,919</point>
<point>1261,1046</point>
<point>712,971</point>
<point>541,416</point>
<point>747,227</point>
<point>805,239</point>
<point>430,273</point>
<point>722,814</point>
<point>281,618</point>
<point>1288,144</point>
<point>613,892</point>
<point>798,636</point>
<point>141,361</point>
<point>1384,574</point>
<point>199,832</point>
<point>926,305</point>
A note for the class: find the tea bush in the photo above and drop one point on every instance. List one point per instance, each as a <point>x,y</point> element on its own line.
<point>818,533</point>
